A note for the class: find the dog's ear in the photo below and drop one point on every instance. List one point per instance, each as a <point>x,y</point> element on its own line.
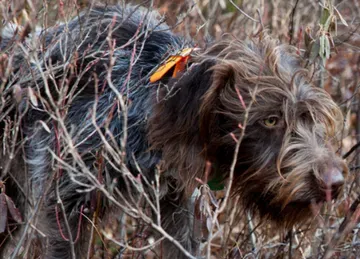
<point>186,126</point>
<point>222,87</point>
<point>174,126</point>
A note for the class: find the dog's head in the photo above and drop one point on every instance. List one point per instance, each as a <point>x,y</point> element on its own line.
<point>256,92</point>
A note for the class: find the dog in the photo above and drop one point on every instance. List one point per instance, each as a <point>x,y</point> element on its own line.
<point>114,91</point>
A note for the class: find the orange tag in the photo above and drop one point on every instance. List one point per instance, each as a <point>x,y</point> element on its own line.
<point>178,60</point>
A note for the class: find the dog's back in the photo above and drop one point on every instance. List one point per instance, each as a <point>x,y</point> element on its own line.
<point>78,70</point>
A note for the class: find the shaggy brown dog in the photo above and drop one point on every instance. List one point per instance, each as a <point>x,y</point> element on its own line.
<point>98,67</point>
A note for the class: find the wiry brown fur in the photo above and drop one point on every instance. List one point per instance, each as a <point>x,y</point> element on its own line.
<point>280,171</point>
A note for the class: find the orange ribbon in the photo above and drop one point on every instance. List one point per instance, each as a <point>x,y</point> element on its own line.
<point>179,61</point>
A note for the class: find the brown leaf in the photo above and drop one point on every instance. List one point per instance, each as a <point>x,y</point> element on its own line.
<point>17,93</point>
<point>3,212</point>
<point>32,97</point>
<point>14,212</point>
<point>307,38</point>
<point>340,16</point>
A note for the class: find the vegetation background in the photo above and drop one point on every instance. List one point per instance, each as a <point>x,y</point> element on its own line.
<point>326,32</point>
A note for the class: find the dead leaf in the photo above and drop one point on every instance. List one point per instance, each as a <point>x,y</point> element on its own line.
<point>14,212</point>
<point>340,16</point>
<point>32,97</point>
<point>45,126</point>
<point>3,212</point>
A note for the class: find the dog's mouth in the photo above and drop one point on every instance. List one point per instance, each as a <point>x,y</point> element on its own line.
<point>321,191</point>
<point>305,205</point>
<point>322,196</point>
<point>332,193</point>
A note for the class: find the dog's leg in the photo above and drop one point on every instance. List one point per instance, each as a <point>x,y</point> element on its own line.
<point>58,195</point>
<point>64,236</point>
<point>178,221</point>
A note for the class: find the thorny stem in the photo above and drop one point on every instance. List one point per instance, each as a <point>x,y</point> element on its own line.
<point>131,248</point>
<point>345,226</point>
<point>59,200</point>
<point>241,11</point>
<point>222,207</point>
<point>351,150</point>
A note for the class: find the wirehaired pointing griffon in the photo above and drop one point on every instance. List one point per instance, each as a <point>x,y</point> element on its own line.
<point>112,99</point>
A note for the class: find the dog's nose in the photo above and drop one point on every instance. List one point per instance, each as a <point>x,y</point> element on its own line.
<point>335,178</point>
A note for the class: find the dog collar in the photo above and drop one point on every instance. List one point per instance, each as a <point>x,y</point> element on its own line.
<point>178,61</point>
<point>216,184</point>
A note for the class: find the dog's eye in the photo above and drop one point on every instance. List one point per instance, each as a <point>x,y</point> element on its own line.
<point>271,121</point>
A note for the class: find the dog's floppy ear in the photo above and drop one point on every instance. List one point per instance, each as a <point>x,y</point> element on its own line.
<point>222,86</point>
<point>186,126</point>
<point>174,126</point>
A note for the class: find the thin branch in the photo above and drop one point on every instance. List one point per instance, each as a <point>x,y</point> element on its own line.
<point>351,150</point>
<point>241,11</point>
